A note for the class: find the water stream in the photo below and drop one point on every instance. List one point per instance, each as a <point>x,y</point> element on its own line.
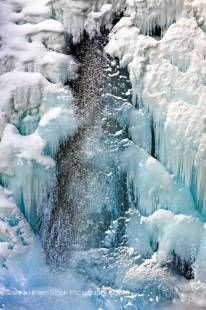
<point>91,189</point>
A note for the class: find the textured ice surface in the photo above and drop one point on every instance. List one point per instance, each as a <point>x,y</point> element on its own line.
<point>90,16</point>
<point>152,186</point>
<point>148,15</point>
<point>33,98</point>
<point>168,87</point>
<point>37,114</point>
<point>167,120</point>
<point>168,81</point>
<point>15,233</point>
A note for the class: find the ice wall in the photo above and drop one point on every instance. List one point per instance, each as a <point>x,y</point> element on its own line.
<point>90,16</point>
<point>150,16</point>
<point>37,113</point>
<point>166,210</point>
<point>166,190</point>
<point>36,109</point>
<point>168,81</point>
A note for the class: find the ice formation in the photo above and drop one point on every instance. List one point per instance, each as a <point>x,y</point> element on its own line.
<point>32,59</point>
<point>152,186</point>
<point>14,231</point>
<point>162,44</point>
<point>148,15</point>
<point>168,87</point>
<point>37,114</point>
<point>171,87</point>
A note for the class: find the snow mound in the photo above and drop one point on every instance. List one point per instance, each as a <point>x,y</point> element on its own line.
<point>33,46</point>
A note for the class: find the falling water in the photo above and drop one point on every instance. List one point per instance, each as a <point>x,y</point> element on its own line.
<point>91,189</point>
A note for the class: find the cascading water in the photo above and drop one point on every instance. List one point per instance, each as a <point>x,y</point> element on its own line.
<point>122,202</point>
<point>92,225</point>
<point>91,189</point>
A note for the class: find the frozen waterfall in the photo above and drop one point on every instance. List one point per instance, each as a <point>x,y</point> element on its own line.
<point>102,154</point>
